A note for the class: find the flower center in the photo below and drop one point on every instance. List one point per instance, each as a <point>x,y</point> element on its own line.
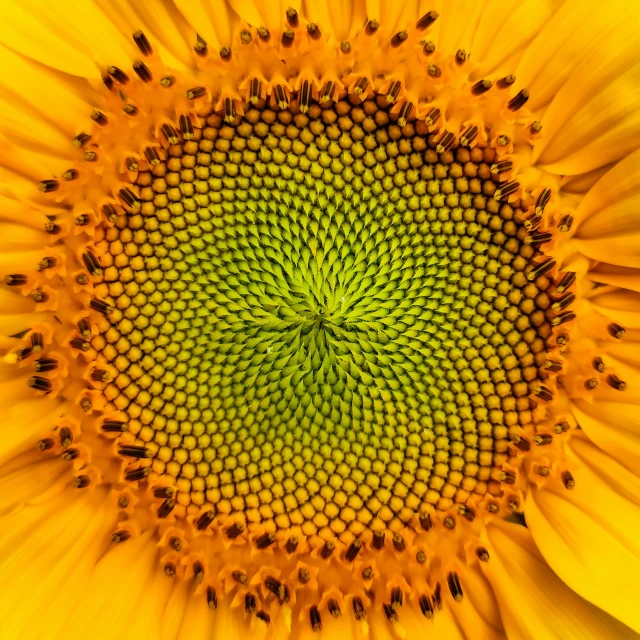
<point>323,320</point>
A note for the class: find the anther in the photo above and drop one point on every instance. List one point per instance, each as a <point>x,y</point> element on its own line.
<point>434,71</point>
<point>466,512</point>
<point>45,444</point>
<point>39,296</point>
<point>292,544</point>
<point>122,535</point>
<point>542,200</point>
<point>263,34</point>
<point>508,477</point>
<point>132,164</point>
<point>535,128</point>
<point>543,393</point>
<point>82,220</point>
<point>84,328</point>
<point>518,101</point>
<point>71,174</point>
<point>52,228</point>
<point>166,507</point>
<point>90,156</point>
<point>234,530</point>
<point>591,383</point>
<point>80,482</point>
<point>144,73</point>
<point>561,318</point>
<point>539,270</point>
<point>205,520</point>
<point>264,616</point>
<point>561,427</point>
<point>186,127</point>
<point>167,81</point>
<point>81,140</point>
<point>378,539</point>
<point>304,96</point>
<point>212,598</point>
<point>615,383</point>
<point>282,100</point>
<point>598,364</point>
<point>314,31</point>
<point>437,600</point>
<point>278,589</point>
<point>482,554</point>
<point>170,569</point>
<point>425,520</point>
<point>432,116</point>
<point>480,87</point>
<point>254,91</point>
<point>23,354</point>
<point>47,263</point>
<point>239,577</point>
<point>399,38</point>
<point>195,93</point>
<point>15,280</point>
<point>287,38</point>
<point>99,118</point>
<point>615,331</point>
<point>453,581</point>
<point>425,606</point>
<point>114,426</point>
<point>501,167</point>
<point>449,523</point>
<point>565,223</point>
<point>469,135</point>
<point>134,451</point>
<point>45,364</point>
<point>398,542</point>
<point>554,366</point>
<point>142,43</point>
<point>91,262</point>
<point>152,156</point>
<point>118,75</point>
<point>175,543</point>
<point>360,86</point>
<point>170,134</point>
<point>108,82</point>
<point>505,82</point>
<point>198,572</point>
<point>371,27</point>
<point>345,47</point>
<point>353,550</point>
<point>137,474</point>
<point>327,549</point>
<point>79,343</point>
<point>326,94</point>
<point>130,109</point>
<point>536,239</point>
<point>405,114</point>
<point>100,375</point>
<point>359,612</point>
<point>292,18</point>
<point>428,48</point>
<point>123,501</point>
<point>48,186</point>
<point>543,439</point>
<point>567,480</point>
<point>503,141</point>
<point>506,189</point>
<point>393,92</point>
<point>225,53</point>
<point>265,540</point>
<point>86,404</point>
<point>421,557</point>
<point>367,573</point>
<point>40,384</point>
<point>565,282</point>
<point>130,199</point>
<point>445,142</point>
<point>334,608</point>
<point>396,597</point>
<point>304,576</point>
<point>461,57</point>
<point>427,20</point>
<point>390,612</point>
<point>563,302</point>
<point>200,47</point>
<point>70,454</point>
<point>101,306</point>
<point>543,470</point>
<point>314,619</point>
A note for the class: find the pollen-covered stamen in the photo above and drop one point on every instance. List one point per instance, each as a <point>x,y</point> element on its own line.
<point>16,280</point>
<point>166,507</point>
<point>565,282</point>
<point>130,199</point>
<point>480,87</point>
<point>361,86</point>
<point>250,604</point>
<point>142,42</point>
<point>541,269</point>
<point>506,82</point>
<point>52,228</point>
<point>506,189</point>
<point>200,47</point>
<point>390,613</point>
<point>101,306</point>
<point>40,384</point>
<point>195,93</point>
<point>428,48</point>
<point>121,535</point>
<point>421,557</point>
<point>45,364</point>
<point>345,47</point>
<point>292,544</point>
<point>482,554</point>
<point>287,39</point>
<point>293,19</point>
<point>225,54</point>
<point>563,302</point>
<point>90,156</point>
<point>240,577</point>
<point>425,521</point>
<point>71,454</point>
<point>170,134</point>
<point>170,569</point>
<point>567,480</point>
<point>562,318</point>
<point>615,331</point>
<point>99,118</point>
<point>100,375</point>
<point>134,475</point>
<point>453,581</point>
<point>314,31</point>
<point>538,238</point>
<point>434,71</point>
<point>427,20</point>
<point>353,550</point>
<point>553,366</point>
<point>424,601</point>
<point>71,174</point>
<point>461,57</point>
<point>134,451</point>
<point>327,549</point>
<point>234,530</point>
<point>399,38</point>
<point>279,589</point>
<point>114,426</point>
<point>118,75</point>
<point>212,598</point>
<point>326,93</point>
<point>142,71</point>
<point>304,576</point>
<point>314,619</point>
<point>265,540</point>
<point>82,481</point>
<point>82,220</point>
<point>45,444</point>
<point>543,393</point>
<point>468,135</point>
<point>378,539</point>
<point>398,542</point>
<point>186,127</point>
<point>91,263</point>
<point>130,109</point>
<point>517,102</point>
<point>615,383</point>
<point>204,520</point>
<point>565,223</point>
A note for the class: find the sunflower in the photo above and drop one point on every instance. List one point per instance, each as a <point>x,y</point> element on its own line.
<point>320,319</point>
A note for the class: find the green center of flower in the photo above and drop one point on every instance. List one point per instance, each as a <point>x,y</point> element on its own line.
<point>321,321</point>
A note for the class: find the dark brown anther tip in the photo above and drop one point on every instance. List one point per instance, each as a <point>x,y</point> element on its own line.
<point>44,365</point>
<point>142,42</point>
<point>123,502</point>
<point>52,228</point>
<point>425,520</point>
<point>505,82</point>
<point>424,601</point>
<point>239,577</point>
<point>225,54</point>
<point>134,475</point>
<point>195,93</point>
<point>453,582</point>
<point>143,72</point>
<point>390,613</point>
<point>427,20</point>
<point>198,572</point>
<point>398,542</point>
<point>264,616</point>
<point>118,75</point>
<point>166,508</point>
<point>292,544</point>
<point>567,480</point>
<point>480,87</point>
<point>315,619</point>
<point>246,37</point>
<point>314,31</point>
<point>287,39</point>
<point>482,554</point>
<point>334,608</point>
<point>81,482</point>
<point>130,109</point>
<point>212,598</point>
<point>122,535</point>
<point>48,186</point>
<point>371,27</point>
<point>421,557</point>
<point>200,47</point>
<point>265,540</point>
<point>520,442</point>
<point>345,47</point>
<point>359,612</point>
<point>615,383</point>
<point>163,492</point>
<point>449,523</point>
<point>263,34</point>
<point>399,38</point>
<point>40,383</point>
<point>519,100</point>
<point>70,174</point>
<point>234,530</point>
<point>434,71</point>
<point>461,57</point>
<point>279,589</point>
<point>615,331</point>
<point>292,18</point>
<point>170,570</point>
<point>304,576</point>
<point>327,549</point>
<point>205,520</point>
<point>378,540</point>
<point>367,573</point>
<point>428,48</point>
<point>45,444</point>
<point>134,451</point>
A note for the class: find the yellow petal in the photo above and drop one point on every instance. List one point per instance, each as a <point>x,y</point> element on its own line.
<point>623,277</point>
<point>213,20</point>
<point>620,305</point>
<point>593,118</point>
<point>588,536</point>
<point>535,604</point>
